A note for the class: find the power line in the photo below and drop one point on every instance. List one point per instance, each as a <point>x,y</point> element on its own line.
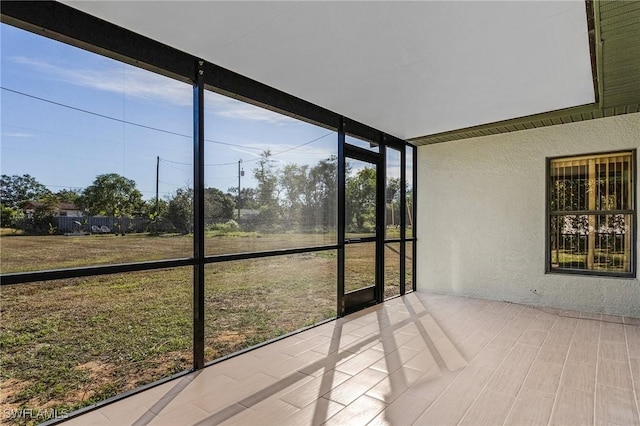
<point>93,113</point>
<point>131,123</point>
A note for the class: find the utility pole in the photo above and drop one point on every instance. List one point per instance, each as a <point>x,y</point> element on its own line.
<point>240,173</point>
<point>157,199</point>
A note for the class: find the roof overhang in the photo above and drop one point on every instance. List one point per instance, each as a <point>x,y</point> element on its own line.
<point>422,71</point>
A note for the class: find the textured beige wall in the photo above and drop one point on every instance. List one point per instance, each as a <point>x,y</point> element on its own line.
<point>481,217</point>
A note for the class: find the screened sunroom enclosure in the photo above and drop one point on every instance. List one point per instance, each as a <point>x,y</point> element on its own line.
<point>241,213</point>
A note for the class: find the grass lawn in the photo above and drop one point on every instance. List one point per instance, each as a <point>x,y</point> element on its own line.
<point>69,343</point>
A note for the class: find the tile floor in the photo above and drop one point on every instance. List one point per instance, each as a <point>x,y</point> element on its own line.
<point>421,359</point>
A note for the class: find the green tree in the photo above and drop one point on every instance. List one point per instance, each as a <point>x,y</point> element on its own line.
<point>180,210</point>
<point>42,220</point>
<point>68,195</point>
<point>267,191</point>
<point>361,200</point>
<point>247,197</point>
<point>293,180</point>
<point>16,191</point>
<point>218,206</point>
<point>323,184</point>
<point>111,195</point>
<point>392,200</point>
<point>265,174</point>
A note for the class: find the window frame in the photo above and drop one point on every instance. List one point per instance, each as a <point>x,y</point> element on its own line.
<point>549,214</point>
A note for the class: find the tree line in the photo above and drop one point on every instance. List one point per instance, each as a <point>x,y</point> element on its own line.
<point>292,197</point>
<point>302,196</point>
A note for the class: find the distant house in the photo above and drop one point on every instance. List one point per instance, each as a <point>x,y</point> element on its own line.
<point>61,210</point>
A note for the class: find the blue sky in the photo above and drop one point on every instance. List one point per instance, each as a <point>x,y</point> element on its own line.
<point>122,117</point>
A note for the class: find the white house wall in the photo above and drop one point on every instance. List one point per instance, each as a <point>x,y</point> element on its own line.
<point>481,216</point>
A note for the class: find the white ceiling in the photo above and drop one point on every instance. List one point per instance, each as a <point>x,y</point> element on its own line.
<point>408,68</point>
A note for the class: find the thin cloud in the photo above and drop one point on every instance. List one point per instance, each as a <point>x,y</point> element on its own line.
<point>17,135</point>
<point>125,80</point>
<point>234,109</point>
<point>148,86</point>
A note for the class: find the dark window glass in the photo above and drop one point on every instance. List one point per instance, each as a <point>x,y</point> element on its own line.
<point>592,213</point>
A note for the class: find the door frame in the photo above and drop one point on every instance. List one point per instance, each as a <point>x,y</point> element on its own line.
<point>359,299</point>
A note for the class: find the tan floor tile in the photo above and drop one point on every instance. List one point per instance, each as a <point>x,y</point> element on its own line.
<point>391,362</point>
<point>403,411</point>
<point>489,409</point>
<point>410,329</point>
<point>275,347</point>
<point>612,332</point>
<point>631,320</point>
<point>314,414</point>
<point>155,399</point>
<point>451,405</point>
<point>247,367</point>
<point>360,412</point>
<point>273,391</point>
<point>430,385</point>
<point>587,335</point>
<point>579,376</point>
<point>445,347</point>
<point>314,389</point>
<point>613,351</point>
<point>326,363</point>
<point>566,323</point>
<point>500,340</point>
<point>533,337</point>
<point>335,344</point>
<point>544,376</point>
<point>184,414</point>
<point>471,346</point>
<point>633,338</point>
<point>542,324</point>
<point>272,412</point>
<point>531,407</point>
<point>572,407</point>
<point>422,361</point>
<point>305,345</point>
<point>389,388</point>
<point>616,406</point>
<point>511,373</point>
<point>586,353</point>
<point>359,362</point>
<point>615,374</point>
<point>553,353</point>
<point>589,324</point>
<point>635,372</point>
<point>93,418</point>
<point>507,338</point>
<point>560,336</point>
<point>348,391</point>
<point>290,366</point>
<point>491,355</point>
<point>494,325</point>
<point>225,395</point>
<point>390,344</point>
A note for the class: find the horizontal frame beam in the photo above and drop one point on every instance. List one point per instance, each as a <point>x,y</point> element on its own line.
<point>85,271</point>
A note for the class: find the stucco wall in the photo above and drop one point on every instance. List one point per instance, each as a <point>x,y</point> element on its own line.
<point>481,217</point>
